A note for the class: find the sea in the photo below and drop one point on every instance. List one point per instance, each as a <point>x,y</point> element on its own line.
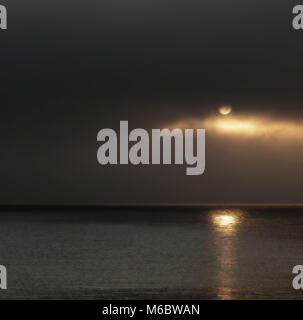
<point>151,252</point>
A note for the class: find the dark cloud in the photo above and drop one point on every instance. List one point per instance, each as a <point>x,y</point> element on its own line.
<point>70,68</point>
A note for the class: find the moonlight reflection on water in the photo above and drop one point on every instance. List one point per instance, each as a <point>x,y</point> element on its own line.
<point>226,223</point>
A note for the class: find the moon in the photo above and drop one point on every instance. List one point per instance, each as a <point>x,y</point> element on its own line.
<point>225,110</point>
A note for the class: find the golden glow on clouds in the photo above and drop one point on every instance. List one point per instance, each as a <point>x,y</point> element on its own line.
<point>247,126</point>
<point>234,126</point>
<point>225,110</point>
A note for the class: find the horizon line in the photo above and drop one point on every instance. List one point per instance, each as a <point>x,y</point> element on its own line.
<point>145,205</point>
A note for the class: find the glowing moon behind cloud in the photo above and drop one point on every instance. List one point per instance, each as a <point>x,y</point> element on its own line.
<point>225,110</point>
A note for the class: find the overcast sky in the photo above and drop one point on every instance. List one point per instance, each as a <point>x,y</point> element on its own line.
<point>70,68</point>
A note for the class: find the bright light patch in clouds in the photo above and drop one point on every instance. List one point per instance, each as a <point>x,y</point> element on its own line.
<point>247,126</point>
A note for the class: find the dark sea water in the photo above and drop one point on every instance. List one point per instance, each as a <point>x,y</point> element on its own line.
<point>151,253</point>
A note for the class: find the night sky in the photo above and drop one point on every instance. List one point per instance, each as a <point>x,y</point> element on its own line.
<point>70,68</point>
